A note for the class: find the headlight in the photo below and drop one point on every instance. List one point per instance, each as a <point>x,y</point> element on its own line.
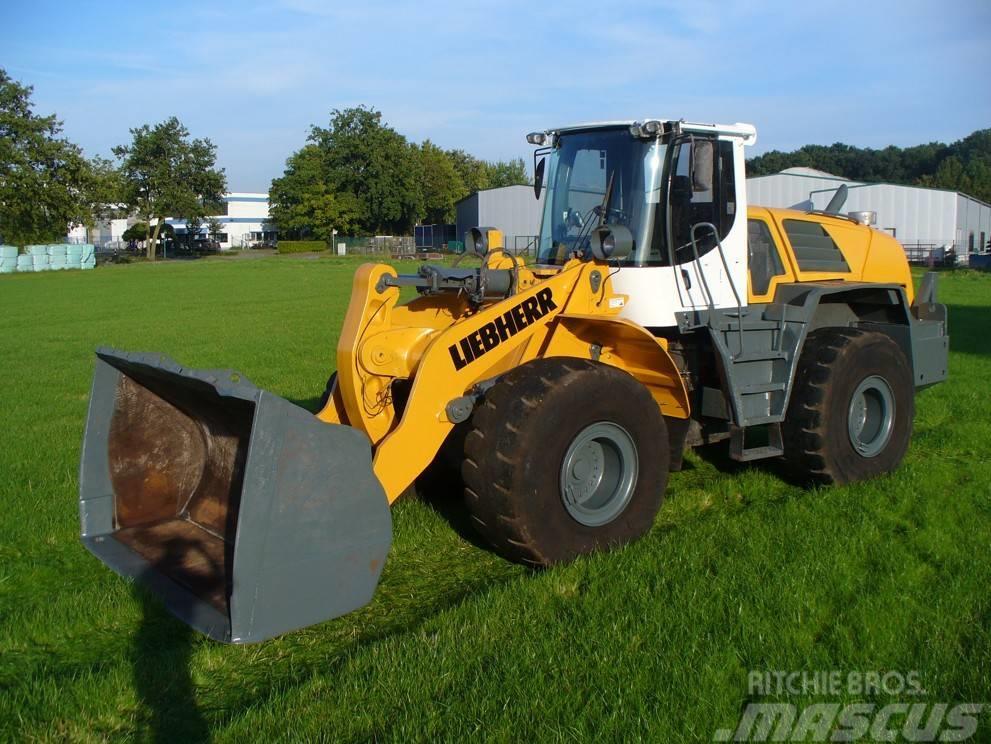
<point>648,129</point>
<point>540,139</point>
<point>612,241</point>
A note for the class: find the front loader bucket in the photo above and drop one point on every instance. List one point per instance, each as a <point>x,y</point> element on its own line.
<point>244,513</point>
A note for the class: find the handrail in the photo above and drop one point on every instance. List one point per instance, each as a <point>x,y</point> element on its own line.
<point>729,276</point>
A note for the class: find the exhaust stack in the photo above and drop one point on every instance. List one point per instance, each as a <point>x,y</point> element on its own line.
<point>838,200</point>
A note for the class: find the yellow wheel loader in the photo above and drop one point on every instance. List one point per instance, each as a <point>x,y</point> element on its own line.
<point>660,312</point>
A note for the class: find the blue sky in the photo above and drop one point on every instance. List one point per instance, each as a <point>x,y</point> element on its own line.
<point>253,76</point>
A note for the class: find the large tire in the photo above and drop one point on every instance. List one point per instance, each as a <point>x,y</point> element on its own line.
<point>851,411</point>
<point>535,417</point>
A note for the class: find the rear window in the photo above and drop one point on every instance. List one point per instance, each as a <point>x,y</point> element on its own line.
<point>814,249</point>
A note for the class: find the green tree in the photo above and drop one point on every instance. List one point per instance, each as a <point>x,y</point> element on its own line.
<point>371,161</point>
<point>473,172</point>
<point>137,231</point>
<point>194,228</point>
<point>140,231</point>
<point>165,173</point>
<point>47,186</point>
<point>507,173</point>
<point>214,228</point>
<point>303,203</point>
<point>963,166</point>
<point>441,185</point>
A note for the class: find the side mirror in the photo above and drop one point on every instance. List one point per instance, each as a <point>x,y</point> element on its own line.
<point>538,177</point>
<point>702,155</point>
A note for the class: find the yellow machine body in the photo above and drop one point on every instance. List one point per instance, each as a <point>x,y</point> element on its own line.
<point>873,256</point>
<point>568,311</point>
<point>250,517</point>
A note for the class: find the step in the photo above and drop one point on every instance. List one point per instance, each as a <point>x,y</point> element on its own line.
<point>759,356</point>
<point>740,452</point>
<point>762,387</point>
<point>750,324</point>
<point>756,453</point>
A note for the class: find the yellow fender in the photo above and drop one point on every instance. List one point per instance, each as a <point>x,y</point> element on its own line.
<point>629,347</point>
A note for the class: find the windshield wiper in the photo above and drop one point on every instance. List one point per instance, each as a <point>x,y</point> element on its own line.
<point>600,210</point>
<point>603,209</point>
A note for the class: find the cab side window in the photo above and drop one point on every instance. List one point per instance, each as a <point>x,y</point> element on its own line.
<point>703,190</point>
<point>814,249</point>
<point>763,258</point>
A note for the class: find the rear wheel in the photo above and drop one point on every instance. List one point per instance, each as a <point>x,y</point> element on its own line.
<point>565,456</point>
<point>850,415</point>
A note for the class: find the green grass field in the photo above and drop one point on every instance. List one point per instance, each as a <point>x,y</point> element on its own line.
<point>742,571</point>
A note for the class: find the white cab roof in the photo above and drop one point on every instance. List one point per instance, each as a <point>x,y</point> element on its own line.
<point>746,131</point>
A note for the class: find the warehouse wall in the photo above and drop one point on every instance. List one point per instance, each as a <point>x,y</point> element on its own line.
<point>785,190</point>
<point>512,209</point>
<point>466,215</point>
<point>973,219</point>
<point>914,214</point>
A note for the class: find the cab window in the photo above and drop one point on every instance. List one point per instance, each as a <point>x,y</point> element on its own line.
<point>814,249</point>
<point>762,255</point>
<point>703,190</point>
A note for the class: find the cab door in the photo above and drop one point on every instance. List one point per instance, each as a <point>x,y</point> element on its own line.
<point>767,263</point>
<point>701,214</point>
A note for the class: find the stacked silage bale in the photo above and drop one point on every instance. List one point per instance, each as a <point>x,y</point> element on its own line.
<point>56,257</point>
<point>74,256</point>
<point>51,257</point>
<point>8,259</point>
<point>39,257</point>
<point>88,256</point>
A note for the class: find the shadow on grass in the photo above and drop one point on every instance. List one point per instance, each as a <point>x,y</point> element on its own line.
<point>440,487</point>
<point>718,456</point>
<point>968,329</point>
<point>160,662</point>
<point>160,657</point>
<point>173,708</point>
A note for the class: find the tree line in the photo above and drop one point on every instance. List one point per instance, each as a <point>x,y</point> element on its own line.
<point>355,175</point>
<point>360,176</point>
<point>964,165</point>
<point>47,185</point>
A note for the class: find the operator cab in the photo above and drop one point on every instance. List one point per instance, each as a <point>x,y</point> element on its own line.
<point>667,193</point>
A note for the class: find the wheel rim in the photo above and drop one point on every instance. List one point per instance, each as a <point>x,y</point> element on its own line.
<point>598,474</point>
<point>871,416</point>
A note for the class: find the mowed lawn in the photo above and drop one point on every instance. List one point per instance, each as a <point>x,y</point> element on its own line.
<point>742,571</point>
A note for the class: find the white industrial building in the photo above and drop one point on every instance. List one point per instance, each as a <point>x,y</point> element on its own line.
<point>922,219</point>
<point>245,220</point>
<point>105,232</point>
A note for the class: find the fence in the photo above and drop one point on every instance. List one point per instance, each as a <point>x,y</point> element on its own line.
<point>400,245</point>
<point>525,245</point>
<point>404,245</point>
<point>932,254</point>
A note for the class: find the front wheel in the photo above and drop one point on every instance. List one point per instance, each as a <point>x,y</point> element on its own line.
<point>851,411</point>
<point>565,456</point>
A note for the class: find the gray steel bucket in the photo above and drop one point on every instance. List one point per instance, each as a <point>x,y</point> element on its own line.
<point>244,513</point>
